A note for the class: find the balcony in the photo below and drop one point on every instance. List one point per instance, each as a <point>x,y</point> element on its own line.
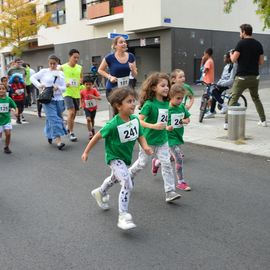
<point>101,12</point>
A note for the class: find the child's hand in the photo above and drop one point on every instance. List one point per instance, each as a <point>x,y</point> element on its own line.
<point>148,150</point>
<point>160,126</point>
<point>84,157</point>
<point>185,121</point>
<point>169,128</point>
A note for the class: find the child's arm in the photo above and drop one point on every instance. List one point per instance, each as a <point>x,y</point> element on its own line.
<point>95,97</point>
<point>186,120</point>
<point>143,143</point>
<point>191,101</point>
<point>158,126</point>
<point>90,145</point>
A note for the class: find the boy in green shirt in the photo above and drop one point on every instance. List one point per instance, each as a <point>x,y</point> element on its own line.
<point>6,103</point>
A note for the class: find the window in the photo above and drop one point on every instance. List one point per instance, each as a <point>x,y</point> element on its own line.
<point>58,11</point>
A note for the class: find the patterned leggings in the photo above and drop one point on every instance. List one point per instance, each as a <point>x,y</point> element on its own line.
<point>120,174</point>
<point>178,156</point>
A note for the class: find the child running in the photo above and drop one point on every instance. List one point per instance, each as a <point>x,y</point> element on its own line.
<point>88,102</point>
<point>120,135</point>
<point>154,117</point>
<point>178,76</point>
<point>6,103</point>
<point>178,115</point>
<point>18,90</point>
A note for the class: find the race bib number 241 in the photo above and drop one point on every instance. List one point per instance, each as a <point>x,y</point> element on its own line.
<point>129,131</point>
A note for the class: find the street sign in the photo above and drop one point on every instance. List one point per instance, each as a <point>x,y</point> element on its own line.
<point>113,35</point>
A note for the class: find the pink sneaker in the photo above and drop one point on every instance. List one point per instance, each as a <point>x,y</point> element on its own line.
<point>183,186</point>
<point>154,167</point>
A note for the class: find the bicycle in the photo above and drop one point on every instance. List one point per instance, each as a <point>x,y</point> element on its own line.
<point>208,94</point>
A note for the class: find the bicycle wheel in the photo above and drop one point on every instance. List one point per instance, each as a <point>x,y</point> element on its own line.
<point>203,109</point>
<point>242,101</point>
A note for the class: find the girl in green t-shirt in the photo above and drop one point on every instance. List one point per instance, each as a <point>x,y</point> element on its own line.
<point>154,117</point>
<point>178,116</point>
<point>120,134</point>
<point>178,76</point>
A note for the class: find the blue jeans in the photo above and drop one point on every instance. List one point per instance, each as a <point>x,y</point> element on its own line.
<point>54,126</point>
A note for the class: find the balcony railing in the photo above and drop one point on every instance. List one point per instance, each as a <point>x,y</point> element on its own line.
<point>103,8</point>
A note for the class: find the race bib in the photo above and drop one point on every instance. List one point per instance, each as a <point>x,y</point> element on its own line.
<point>176,120</point>
<point>122,82</point>
<point>19,91</point>
<point>90,103</point>
<point>129,131</point>
<point>73,83</point>
<point>162,116</point>
<point>4,107</point>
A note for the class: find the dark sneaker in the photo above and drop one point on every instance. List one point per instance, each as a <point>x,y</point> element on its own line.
<point>60,146</point>
<point>50,141</point>
<point>18,121</point>
<point>7,150</point>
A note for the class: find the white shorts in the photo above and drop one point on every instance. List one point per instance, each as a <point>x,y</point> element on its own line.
<point>5,127</point>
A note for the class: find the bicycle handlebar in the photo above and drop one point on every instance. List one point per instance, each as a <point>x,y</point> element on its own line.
<point>206,84</point>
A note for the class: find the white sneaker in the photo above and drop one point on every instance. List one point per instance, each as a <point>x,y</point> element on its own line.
<point>209,115</point>
<point>171,196</point>
<point>125,221</point>
<point>224,109</point>
<point>262,124</point>
<point>226,126</point>
<point>72,137</point>
<point>102,201</point>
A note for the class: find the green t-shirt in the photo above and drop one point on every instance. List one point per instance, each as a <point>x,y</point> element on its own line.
<point>120,138</point>
<point>189,92</point>
<point>6,104</point>
<point>73,77</point>
<point>176,114</point>
<point>155,112</point>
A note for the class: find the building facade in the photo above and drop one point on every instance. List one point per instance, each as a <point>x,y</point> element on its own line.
<point>163,34</point>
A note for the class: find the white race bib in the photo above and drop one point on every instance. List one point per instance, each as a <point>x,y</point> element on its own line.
<point>90,103</point>
<point>19,91</point>
<point>162,116</point>
<point>176,120</point>
<point>73,83</point>
<point>4,107</point>
<point>122,82</point>
<point>129,131</point>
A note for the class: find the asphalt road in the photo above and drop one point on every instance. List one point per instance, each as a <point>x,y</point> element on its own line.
<point>49,221</point>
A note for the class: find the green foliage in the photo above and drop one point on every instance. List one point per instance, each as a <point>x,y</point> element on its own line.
<point>263,10</point>
<point>19,22</point>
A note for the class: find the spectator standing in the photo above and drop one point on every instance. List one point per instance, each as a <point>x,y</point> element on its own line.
<point>248,54</point>
<point>208,75</point>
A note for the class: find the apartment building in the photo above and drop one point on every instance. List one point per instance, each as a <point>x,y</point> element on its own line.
<point>163,34</point>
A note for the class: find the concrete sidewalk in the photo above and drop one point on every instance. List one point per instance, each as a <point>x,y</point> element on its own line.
<point>211,133</point>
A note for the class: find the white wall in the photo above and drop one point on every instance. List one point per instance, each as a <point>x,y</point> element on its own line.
<point>206,14</point>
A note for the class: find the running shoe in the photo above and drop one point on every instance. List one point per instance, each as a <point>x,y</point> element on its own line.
<point>171,196</point>
<point>125,221</point>
<point>262,124</point>
<point>72,137</point>
<point>154,166</point>
<point>209,115</point>
<point>60,146</point>
<point>102,201</point>
<point>183,186</point>
<point>7,150</point>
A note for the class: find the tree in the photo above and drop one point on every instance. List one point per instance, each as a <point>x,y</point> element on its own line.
<point>263,9</point>
<point>19,22</point>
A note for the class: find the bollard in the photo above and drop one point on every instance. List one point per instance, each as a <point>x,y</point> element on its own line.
<point>236,122</point>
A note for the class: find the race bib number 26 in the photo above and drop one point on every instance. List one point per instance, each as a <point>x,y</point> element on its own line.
<point>129,131</point>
